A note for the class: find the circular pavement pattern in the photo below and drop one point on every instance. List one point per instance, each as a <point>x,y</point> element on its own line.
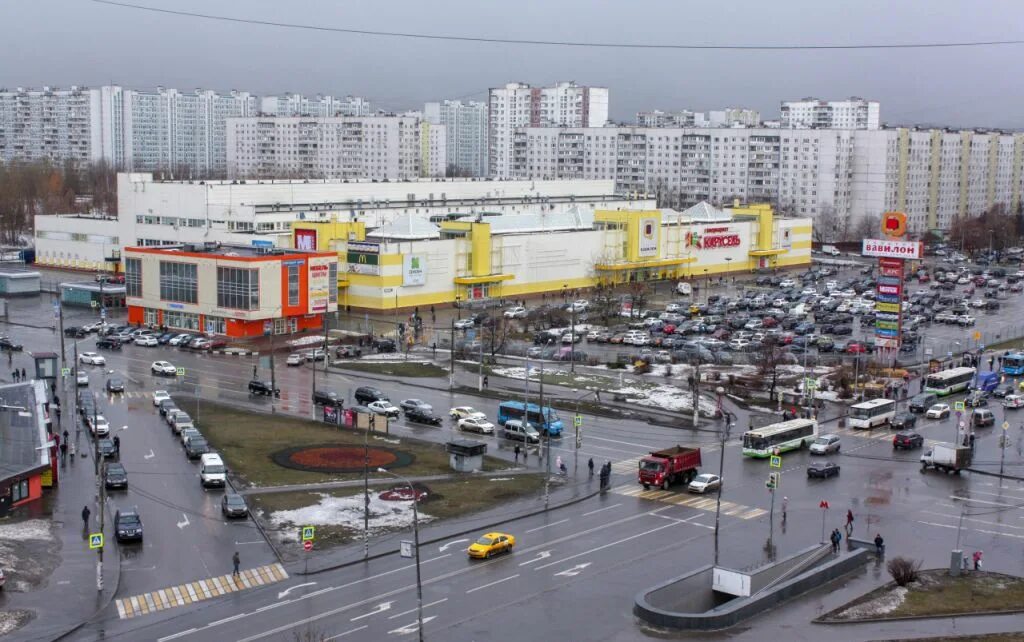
<point>331,458</point>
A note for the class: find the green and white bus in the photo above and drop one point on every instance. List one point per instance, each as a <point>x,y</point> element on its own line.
<point>783,436</point>
<point>949,381</point>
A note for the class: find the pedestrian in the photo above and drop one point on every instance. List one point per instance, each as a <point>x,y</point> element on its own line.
<point>785,505</point>
<point>517,453</point>
<point>879,544</point>
<point>433,346</point>
<point>433,316</point>
<point>849,521</point>
<point>117,445</point>
<point>562,469</point>
<point>590,466</point>
<point>63,453</point>
<point>14,376</point>
<point>53,386</point>
<point>86,512</point>
<point>558,462</point>
<point>977,560</point>
<point>235,560</point>
<point>65,436</point>
<point>485,381</point>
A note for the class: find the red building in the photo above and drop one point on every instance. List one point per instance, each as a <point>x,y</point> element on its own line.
<point>25,459</point>
<point>231,290</point>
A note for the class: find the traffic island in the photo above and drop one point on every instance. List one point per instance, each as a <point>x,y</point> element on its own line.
<point>935,594</point>
<point>715,598</point>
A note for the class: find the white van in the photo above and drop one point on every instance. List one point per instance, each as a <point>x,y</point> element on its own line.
<point>684,288</point>
<point>212,471</point>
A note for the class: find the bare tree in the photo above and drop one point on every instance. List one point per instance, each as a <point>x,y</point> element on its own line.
<point>769,357</point>
<point>639,292</point>
<point>867,227</point>
<point>827,226</point>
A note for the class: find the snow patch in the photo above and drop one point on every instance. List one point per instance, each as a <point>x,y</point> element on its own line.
<point>34,529</point>
<point>668,398</point>
<point>305,341</point>
<point>494,479</point>
<point>879,606</point>
<point>348,512</point>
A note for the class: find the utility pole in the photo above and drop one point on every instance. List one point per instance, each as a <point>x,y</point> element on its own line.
<point>547,439</point>
<point>63,353</point>
<point>724,437</point>
<point>696,389</point>
<point>273,378</point>
<point>480,374</point>
<point>366,490</point>
<point>451,357</point>
<point>572,338</point>
<point>416,545</point>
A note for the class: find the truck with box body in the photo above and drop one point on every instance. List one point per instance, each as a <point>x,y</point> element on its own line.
<point>947,458</point>
<point>662,468</point>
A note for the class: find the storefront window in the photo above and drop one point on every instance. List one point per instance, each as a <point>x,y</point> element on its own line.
<point>238,289</point>
<point>133,277</point>
<point>215,325</point>
<point>19,490</point>
<point>183,320</point>
<point>178,282</point>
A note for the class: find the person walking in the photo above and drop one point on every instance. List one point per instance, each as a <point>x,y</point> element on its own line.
<point>86,512</point>
<point>24,377</point>
<point>14,376</point>
<point>235,561</point>
<point>879,544</point>
<point>849,522</point>
<point>485,381</point>
<point>517,453</point>
<point>785,505</point>
<point>590,466</point>
<point>977,560</point>
<point>558,462</point>
<point>117,445</point>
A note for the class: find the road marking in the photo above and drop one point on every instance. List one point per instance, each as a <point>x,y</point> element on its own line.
<point>176,635</point>
<point>341,635</point>
<point>254,542</point>
<point>410,628</point>
<point>601,509</point>
<point>282,594</point>
<point>150,455</point>
<point>227,619</point>
<point>982,501</point>
<point>976,530</point>
<point>445,547</point>
<point>543,555</point>
<point>510,577</point>
<point>575,570</point>
<point>561,521</point>
<point>594,550</point>
<point>971,519</point>
<point>380,608</point>
<point>184,523</point>
<point>391,617</point>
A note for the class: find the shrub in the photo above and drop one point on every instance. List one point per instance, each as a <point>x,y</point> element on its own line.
<point>903,570</point>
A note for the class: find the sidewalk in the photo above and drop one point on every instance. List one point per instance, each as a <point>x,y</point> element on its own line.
<point>69,597</point>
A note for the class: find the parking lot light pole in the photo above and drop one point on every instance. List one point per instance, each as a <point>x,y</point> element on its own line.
<point>416,545</point>
<point>728,418</point>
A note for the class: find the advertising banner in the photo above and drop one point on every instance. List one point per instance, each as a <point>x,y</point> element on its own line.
<point>890,280</point>
<point>414,269</point>
<point>888,307</point>
<point>886,298</point>
<point>892,249</point>
<point>648,237</point>
<point>319,283</point>
<point>363,258</point>
<point>305,240</point>
<point>889,289</point>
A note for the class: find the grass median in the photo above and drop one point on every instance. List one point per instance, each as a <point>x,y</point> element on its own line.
<point>247,440</point>
<point>394,368</point>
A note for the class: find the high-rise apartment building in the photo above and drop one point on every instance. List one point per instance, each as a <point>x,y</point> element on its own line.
<point>54,124</point>
<point>811,113</point>
<point>519,105</point>
<point>373,147</point>
<point>466,129</point>
<point>731,117</point>
<point>932,175</point>
<point>320,106</point>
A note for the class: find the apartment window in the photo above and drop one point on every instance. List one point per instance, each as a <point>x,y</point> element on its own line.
<point>133,277</point>
<point>178,282</point>
<point>293,284</point>
<point>238,288</point>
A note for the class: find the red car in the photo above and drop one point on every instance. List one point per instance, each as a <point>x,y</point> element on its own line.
<point>769,322</point>
<point>668,328</point>
<point>855,348</point>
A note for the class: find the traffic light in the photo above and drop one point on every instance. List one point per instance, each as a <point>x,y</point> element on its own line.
<point>773,481</point>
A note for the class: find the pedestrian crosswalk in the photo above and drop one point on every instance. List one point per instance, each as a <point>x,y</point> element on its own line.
<point>198,591</point>
<point>705,503</point>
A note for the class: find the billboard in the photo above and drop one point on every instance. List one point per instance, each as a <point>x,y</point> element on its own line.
<point>648,237</point>
<point>892,249</point>
<point>363,258</point>
<point>304,240</point>
<point>414,269</point>
<point>319,282</point>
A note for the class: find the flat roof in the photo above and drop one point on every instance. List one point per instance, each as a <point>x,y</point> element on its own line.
<point>17,272</point>
<point>226,251</point>
<point>92,286</point>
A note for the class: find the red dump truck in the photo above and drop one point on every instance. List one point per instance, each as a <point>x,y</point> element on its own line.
<point>666,467</point>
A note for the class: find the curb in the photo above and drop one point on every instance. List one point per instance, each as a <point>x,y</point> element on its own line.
<point>237,352</point>
<point>994,474</point>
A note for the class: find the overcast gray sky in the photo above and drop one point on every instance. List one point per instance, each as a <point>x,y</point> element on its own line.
<point>65,42</point>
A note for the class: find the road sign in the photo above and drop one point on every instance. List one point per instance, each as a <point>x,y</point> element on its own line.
<point>959,406</point>
<point>775,461</point>
<point>180,372</point>
<point>307,546</point>
<point>1006,425</point>
<point>823,505</point>
<point>577,420</point>
<point>307,533</point>
<point>406,548</point>
<point>977,335</point>
<point>65,372</point>
<point>95,540</point>
<point>962,424</point>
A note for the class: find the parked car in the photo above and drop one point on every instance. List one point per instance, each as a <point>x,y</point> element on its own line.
<point>114,475</point>
<point>115,384</point>
<point>127,525</point>
<point>196,448</point>
<point>147,340</point>
<point>98,424</point>
<point>295,359</point>
<point>384,407</point>
<point>263,388</point>
<point>233,505</point>
<point>825,444</point>
<point>705,483</point>
<point>108,343</point>
<point>81,378</point>
<point>75,332</point>
<point>907,440</point>
<point>160,396</point>
<point>326,398</point>
<point>106,448</point>
<point>348,352</point>
<point>515,313</point>
<point>822,470</point>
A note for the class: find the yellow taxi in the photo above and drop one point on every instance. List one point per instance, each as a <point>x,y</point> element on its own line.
<point>491,544</point>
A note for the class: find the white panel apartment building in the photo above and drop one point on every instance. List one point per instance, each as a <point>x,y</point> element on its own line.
<point>932,175</point>
<point>853,113</point>
<point>54,124</point>
<point>519,105</point>
<point>373,147</point>
<point>320,106</point>
<point>466,130</point>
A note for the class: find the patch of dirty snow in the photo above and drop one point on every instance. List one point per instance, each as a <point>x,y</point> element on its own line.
<point>11,621</point>
<point>305,341</point>
<point>494,479</point>
<point>668,398</point>
<point>34,529</point>
<point>879,606</point>
<point>348,512</point>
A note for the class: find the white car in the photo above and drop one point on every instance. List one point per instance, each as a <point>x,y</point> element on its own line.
<point>938,411</point>
<point>159,396</point>
<point>92,358</point>
<point>163,368</point>
<point>295,359</point>
<point>465,412</point>
<point>464,324</point>
<point>705,483</point>
<point>674,308</point>
<point>180,339</point>
<point>477,424</point>
<point>515,313</point>
<point>739,344</point>
<point>965,319</point>
<point>787,283</point>
<point>81,378</point>
<point>147,340</point>
<point>808,292</point>
<point>383,407</point>
<point>978,303</point>
<point>579,305</point>
<point>964,280</point>
<point>1013,401</point>
<point>831,285</point>
<point>99,426</point>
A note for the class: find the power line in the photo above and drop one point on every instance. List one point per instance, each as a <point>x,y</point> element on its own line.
<point>563,43</point>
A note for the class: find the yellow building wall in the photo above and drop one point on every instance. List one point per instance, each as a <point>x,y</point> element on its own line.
<point>328,233</point>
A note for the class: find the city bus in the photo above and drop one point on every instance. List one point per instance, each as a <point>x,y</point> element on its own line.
<point>783,436</point>
<point>872,413</point>
<point>949,381</point>
<point>1013,364</point>
<point>550,423</point>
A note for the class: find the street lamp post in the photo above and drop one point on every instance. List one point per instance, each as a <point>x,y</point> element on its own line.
<point>458,309</point>
<point>416,545</point>
<point>727,418</point>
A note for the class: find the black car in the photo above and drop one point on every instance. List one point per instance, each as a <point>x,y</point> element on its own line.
<point>75,332</point>
<point>368,394</point>
<point>115,476</point>
<point>196,447</point>
<point>165,337</point>
<point>907,440</point>
<point>167,406</point>
<point>233,505</point>
<point>822,470</point>
<point>128,526</point>
<point>7,344</point>
<point>976,399</point>
<point>422,416</point>
<point>115,385</point>
<point>903,421</point>
<point>326,398</point>
<point>842,330</point>
<point>86,405</point>
<point>106,448</point>
<point>108,343</point>
<point>384,345</point>
<point>413,404</point>
<point>264,388</point>
<point>1002,390</point>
